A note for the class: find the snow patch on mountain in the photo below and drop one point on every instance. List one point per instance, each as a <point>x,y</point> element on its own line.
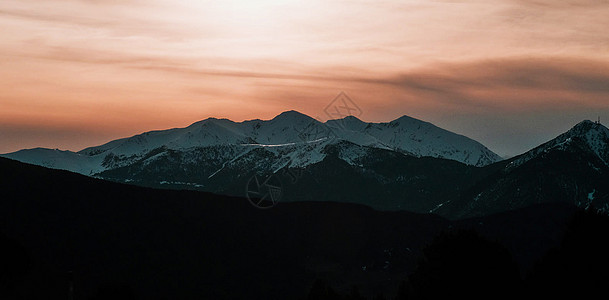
<point>58,159</point>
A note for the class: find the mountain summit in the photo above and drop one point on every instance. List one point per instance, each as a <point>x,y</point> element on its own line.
<point>594,135</point>
<point>586,136</point>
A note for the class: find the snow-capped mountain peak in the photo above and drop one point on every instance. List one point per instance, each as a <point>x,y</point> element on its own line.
<point>594,135</point>
<point>589,135</point>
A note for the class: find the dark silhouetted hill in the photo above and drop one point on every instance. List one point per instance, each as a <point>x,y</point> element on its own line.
<point>126,242</point>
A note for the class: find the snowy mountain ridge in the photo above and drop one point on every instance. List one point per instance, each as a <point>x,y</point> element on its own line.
<point>295,137</point>
<point>591,135</point>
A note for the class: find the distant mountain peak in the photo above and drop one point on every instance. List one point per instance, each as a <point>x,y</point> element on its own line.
<point>406,118</point>
<point>210,120</point>
<point>353,119</point>
<point>586,126</point>
<point>291,114</point>
<point>349,123</point>
<point>595,135</point>
<point>588,134</point>
<point>408,121</point>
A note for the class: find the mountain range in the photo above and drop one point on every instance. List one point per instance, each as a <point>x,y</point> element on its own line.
<point>297,139</point>
<point>405,164</point>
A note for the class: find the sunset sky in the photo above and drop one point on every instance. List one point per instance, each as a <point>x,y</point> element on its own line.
<point>508,73</point>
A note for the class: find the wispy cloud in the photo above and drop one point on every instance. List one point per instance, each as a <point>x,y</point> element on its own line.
<point>521,84</point>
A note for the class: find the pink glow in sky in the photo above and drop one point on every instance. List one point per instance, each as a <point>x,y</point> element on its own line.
<point>509,73</point>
